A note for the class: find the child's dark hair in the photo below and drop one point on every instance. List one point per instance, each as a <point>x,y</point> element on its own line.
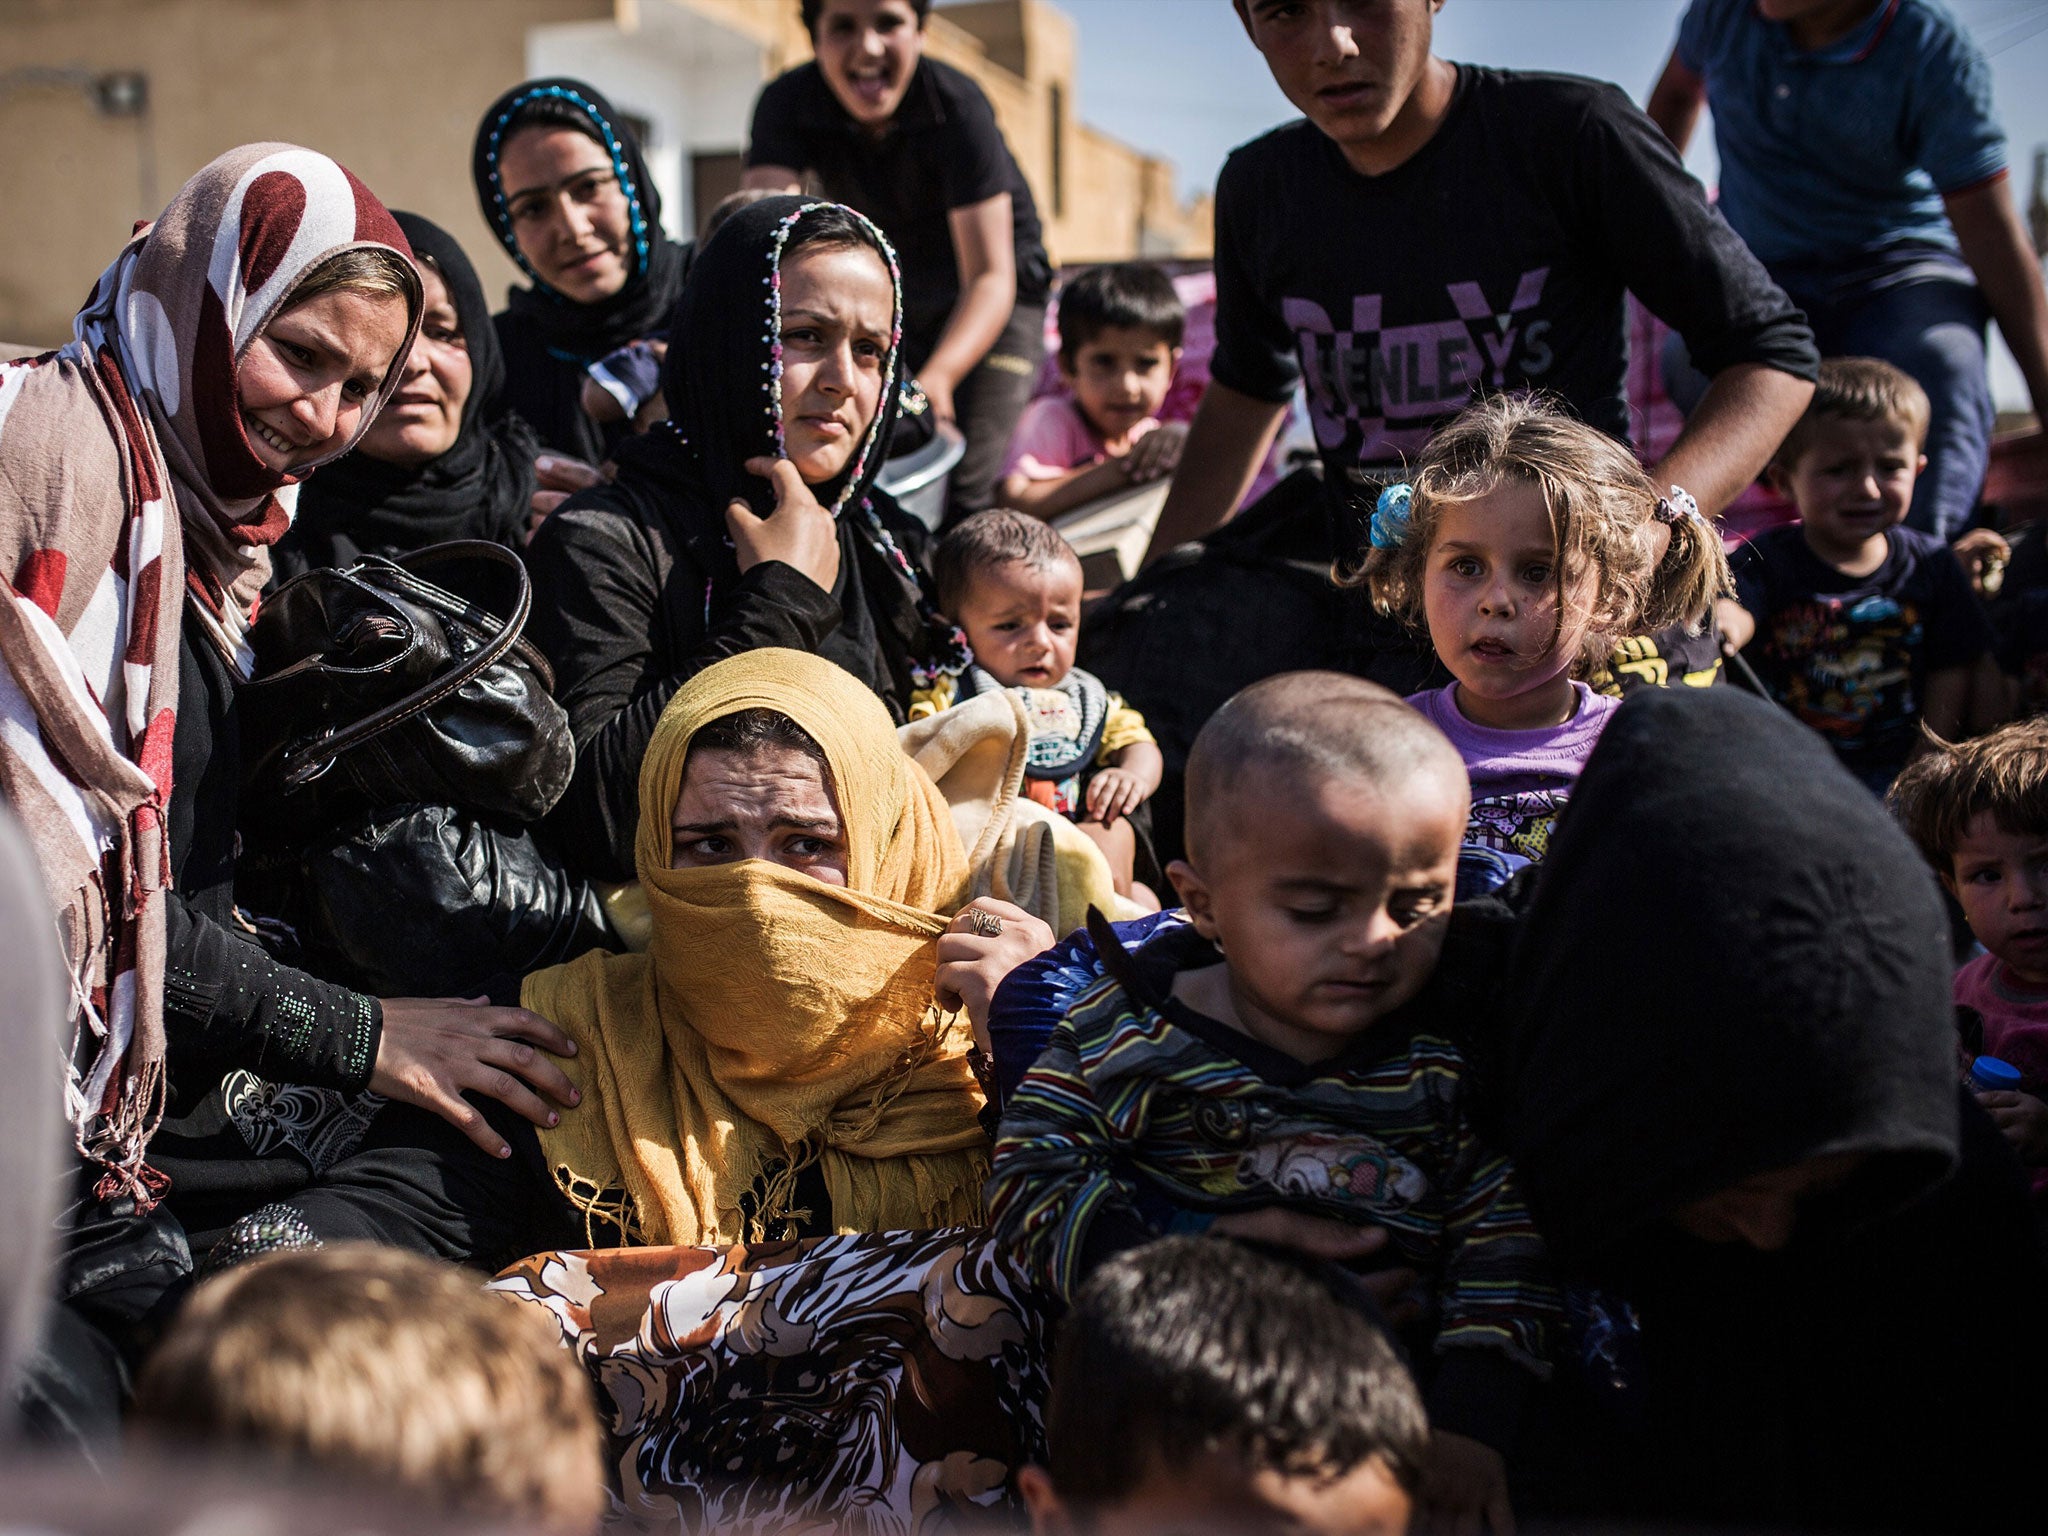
<point>1129,295</point>
<point>1192,1347</point>
<point>1858,389</point>
<point>1942,791</point>
<point>989,539</point>
<point>814,12</point>
<point>1602,505</point>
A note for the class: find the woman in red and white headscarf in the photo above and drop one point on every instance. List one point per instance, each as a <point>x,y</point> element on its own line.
<point>246,337</point>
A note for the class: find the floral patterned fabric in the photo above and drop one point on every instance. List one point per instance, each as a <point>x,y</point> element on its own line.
<point>879,1382</point>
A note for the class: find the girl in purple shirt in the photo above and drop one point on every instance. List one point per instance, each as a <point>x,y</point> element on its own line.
<point>1527,544</point>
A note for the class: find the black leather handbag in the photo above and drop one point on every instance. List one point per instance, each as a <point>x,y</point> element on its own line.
<point>375,687</point>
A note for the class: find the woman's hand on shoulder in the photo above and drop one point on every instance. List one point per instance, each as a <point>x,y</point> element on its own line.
<point>799,532</point>
<point>435,1049</point>
<point>973,961</point>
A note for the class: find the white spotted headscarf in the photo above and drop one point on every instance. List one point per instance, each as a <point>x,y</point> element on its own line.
<point>96,441</point>
<point>179,308</point>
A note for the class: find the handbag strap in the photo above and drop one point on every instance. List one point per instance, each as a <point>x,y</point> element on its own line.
<point>303,764</point>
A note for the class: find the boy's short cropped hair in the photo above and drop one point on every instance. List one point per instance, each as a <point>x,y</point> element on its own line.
<point>1941,792</point>
<point>989,539</point>
<point>1127,295</point>
<point>1858,389</point>
<point>382,1368</point>
<point>1189,1348</point>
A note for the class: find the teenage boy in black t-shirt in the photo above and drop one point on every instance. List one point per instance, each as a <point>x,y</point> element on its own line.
<point>914,145</point>
<point>1433,229</point>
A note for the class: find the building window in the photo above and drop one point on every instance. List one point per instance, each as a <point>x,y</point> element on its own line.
<point>1059,146</point>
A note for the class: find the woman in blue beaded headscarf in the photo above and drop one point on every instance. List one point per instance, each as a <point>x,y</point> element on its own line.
<point>751,518</point>
<point>561,181</point>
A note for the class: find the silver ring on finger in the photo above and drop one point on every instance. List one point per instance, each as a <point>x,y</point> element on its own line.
<point>987,924</point>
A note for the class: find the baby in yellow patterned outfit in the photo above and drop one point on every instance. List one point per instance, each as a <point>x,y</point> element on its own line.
<point>1014,585</point>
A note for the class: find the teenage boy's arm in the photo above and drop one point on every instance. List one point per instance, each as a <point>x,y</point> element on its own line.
<point>985,252</point>
<point>1252,373</point>
<point>1227,441</point>
<point>1733,432</point>
<point>1053,1195</point>
<point>1675,102</point>
<point>1694,273</point>
<point>1996,246</point>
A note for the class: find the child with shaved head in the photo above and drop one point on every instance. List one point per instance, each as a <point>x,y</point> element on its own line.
<point>1280,1049</point>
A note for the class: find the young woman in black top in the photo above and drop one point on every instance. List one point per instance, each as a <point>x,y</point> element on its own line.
<point>914,145</point>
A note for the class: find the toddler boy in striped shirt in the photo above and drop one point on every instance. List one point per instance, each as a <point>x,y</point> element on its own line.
<point>1280,1049</point>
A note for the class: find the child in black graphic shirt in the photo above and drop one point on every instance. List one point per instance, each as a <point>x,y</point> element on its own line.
<point>1434,229</point>
<point>1862,628</point>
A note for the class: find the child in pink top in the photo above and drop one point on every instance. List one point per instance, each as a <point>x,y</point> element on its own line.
<point>1979,811</point>
<point>1120,336</point>
<point>1527,545</point>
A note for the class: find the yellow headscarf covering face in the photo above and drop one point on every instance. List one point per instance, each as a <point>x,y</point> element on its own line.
<point>776,1020</point>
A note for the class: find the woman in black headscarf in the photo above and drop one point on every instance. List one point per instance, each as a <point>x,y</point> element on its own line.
<point>561,181</point>
<point>1811,1280</point>
<point>750,518</point>
<point>445,459</point>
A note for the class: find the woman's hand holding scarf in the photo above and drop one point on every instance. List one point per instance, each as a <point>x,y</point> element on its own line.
<point>799,532</point>
<point>435,1049</point>
<point>973,963</point>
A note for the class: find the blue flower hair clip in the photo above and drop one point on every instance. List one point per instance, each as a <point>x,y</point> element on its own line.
<point>1390,515</point>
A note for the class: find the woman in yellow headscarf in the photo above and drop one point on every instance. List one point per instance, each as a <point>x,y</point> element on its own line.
<point>781,1043</point>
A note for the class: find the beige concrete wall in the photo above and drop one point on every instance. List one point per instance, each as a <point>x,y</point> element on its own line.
<point>1017,51</point>
<point>391,88</point>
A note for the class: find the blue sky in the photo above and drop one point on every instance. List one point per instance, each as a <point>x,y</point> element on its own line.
<point>1178,78</point>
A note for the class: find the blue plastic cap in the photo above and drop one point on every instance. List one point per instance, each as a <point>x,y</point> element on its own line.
<point>1989,1075</point>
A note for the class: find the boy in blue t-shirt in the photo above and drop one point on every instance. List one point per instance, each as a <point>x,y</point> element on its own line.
<point>1862,628</point>
<point>1861,161</point>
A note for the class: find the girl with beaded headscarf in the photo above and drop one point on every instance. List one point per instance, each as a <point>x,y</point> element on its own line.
<point>561,181</point>
<point>751,518</point>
